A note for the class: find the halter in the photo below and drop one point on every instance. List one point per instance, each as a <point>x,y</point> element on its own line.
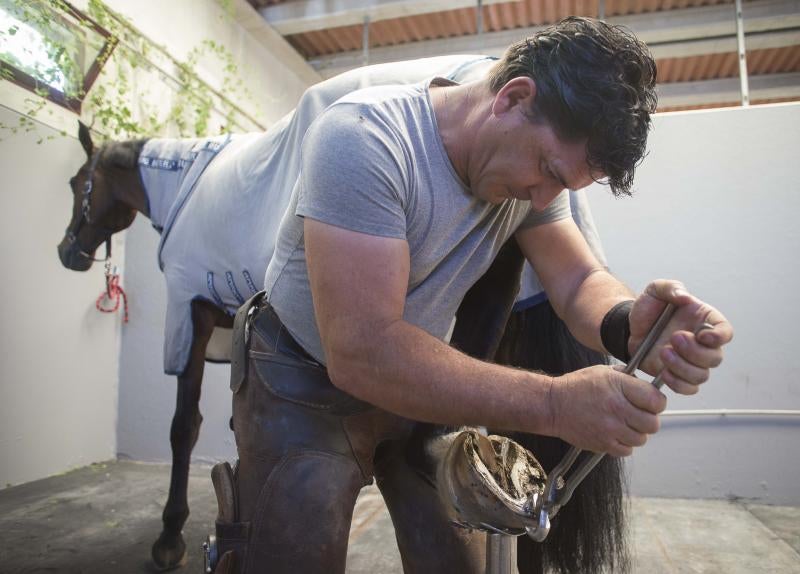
<point>72,233</point>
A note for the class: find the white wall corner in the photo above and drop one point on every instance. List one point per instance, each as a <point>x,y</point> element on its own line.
<point>251,21</point>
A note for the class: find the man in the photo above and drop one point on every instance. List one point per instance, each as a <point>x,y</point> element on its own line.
<point>405,195</point>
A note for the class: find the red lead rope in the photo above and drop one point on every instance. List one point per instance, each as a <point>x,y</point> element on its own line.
<point>112,294</point>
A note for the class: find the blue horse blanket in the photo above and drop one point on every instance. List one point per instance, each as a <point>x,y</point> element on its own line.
<point>218,202</point>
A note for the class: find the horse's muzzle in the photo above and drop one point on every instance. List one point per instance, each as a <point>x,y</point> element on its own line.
<point>72,257</point>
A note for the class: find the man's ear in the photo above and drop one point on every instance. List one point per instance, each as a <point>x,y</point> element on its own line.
<point>517,91</point>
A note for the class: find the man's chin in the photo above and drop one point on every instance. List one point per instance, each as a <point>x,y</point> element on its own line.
<point>493,195</point>
<point>498,196</point>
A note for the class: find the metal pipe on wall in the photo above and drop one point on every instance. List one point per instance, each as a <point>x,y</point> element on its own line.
<point>732,412</point>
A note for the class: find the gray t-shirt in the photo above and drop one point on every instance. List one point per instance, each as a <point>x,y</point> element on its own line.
<point>373,162</point>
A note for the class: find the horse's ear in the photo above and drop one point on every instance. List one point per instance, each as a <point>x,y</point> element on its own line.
<point>85,137</point>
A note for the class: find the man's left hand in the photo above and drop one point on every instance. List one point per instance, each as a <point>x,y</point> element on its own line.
<point>685,351</point>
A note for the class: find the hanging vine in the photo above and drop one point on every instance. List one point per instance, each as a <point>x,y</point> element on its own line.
<point>57,68</point>
<point>119,104</point>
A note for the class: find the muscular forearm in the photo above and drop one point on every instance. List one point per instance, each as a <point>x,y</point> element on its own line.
<point>404,370</point>
<point>584,309</point>
<point>578,286</point>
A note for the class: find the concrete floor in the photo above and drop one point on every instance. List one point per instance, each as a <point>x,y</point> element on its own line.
<point>103,518</point>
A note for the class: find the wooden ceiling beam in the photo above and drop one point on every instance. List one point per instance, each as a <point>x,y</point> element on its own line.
<point>763,87</point>
<point>726,44</point>
<point>310,15</point>
<point>673,33</point>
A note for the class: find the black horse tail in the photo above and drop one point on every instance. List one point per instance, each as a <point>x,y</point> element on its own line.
<point>589,533</point>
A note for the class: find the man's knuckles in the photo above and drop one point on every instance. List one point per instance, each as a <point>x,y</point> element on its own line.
<point>639,439</point>
<point>646,424</point>
<point>692,374</point>
<point>620,450</point>
<point>642,395</point>
<point>693,351</point>
<point>679,385</point>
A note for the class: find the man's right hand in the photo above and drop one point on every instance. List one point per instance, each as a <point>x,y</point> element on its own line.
<point>602,409</point>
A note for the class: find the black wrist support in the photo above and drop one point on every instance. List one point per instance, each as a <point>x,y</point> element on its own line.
<point>615,330</point>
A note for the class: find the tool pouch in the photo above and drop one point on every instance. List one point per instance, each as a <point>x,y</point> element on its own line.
<point>225,550</point>
<point>241,338</point>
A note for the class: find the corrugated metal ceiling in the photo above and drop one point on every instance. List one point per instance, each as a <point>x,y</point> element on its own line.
<point>506,16</point>
<point>463,22</point>
<point>710,66</point>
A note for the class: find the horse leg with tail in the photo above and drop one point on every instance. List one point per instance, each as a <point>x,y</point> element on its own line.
<point>589,533</point>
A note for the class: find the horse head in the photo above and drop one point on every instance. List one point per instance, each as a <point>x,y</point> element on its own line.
<point>107,192</point>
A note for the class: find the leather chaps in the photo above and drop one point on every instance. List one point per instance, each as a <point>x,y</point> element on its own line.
<point>305,450</point>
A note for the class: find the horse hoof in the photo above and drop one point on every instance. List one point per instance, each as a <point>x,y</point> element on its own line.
<point>169,552</point>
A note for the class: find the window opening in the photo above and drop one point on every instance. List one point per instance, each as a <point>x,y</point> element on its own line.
<point>52,49</point>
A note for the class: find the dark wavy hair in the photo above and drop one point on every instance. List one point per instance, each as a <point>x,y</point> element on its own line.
<point>593,80</point>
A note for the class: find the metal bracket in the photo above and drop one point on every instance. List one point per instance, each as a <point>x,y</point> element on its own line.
<point>743,80</point>
<point>210,557</point>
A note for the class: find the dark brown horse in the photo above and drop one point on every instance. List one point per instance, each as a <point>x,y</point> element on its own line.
<point>588,534</point>
<point>108,193</point>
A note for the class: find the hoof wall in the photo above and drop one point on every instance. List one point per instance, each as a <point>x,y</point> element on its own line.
<point>168,553</point>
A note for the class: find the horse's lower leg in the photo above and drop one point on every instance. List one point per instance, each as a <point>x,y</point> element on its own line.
<point>169,551</point>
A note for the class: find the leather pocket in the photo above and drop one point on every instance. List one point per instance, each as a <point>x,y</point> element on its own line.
<point>302,383</point>
<point>240,341</point>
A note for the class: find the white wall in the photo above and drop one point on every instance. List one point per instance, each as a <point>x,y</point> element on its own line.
<point>58,373</point>
<point>146,394</point>
<point>716,206</point>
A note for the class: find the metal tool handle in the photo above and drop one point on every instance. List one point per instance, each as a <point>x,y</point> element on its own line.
<point>558,491</point>
<point>650,339</point>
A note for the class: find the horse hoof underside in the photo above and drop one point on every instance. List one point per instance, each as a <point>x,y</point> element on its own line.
<point>169,552</point>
